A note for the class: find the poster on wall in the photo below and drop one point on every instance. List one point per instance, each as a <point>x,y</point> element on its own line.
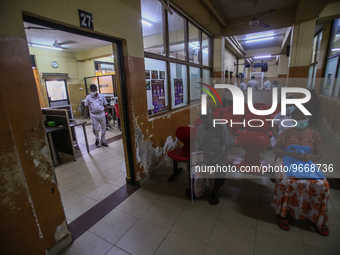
<point>178,83</point>
<point>162,75</point>
<point>328,82</point>
<point>158,95</point>
<point>148,85</point>
<point>147,74</point>
<point>154,74</point>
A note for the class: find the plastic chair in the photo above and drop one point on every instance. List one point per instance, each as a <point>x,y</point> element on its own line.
<point>117,116</point>
<point>187,135</point>
<point>220,111</point>
<point>235,129</point>
<point>259,105</point>
<point>217,115</point>
<point>253,143</point>
<point>263,129</point>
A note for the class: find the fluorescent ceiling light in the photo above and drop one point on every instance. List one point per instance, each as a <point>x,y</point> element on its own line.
<point>336,49</point>
<point>45,46</point>
<point>260,57</point>
<point>260,39</point>
<point>147,22</point>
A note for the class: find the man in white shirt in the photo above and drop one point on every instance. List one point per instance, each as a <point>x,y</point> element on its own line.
<point>253,83</point>
<point>267,85</point>
<point>242,86</point>
<point>96,104</point>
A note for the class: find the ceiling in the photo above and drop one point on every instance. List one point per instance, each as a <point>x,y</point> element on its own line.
<point>230,10</point>
<point>73,43</point>
<point>220,17</point>
<point>278,35</point>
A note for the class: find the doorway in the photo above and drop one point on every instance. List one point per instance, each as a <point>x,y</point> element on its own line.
<point>94,176</point>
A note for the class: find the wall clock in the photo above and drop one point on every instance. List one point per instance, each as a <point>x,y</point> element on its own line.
<point>54,64</point>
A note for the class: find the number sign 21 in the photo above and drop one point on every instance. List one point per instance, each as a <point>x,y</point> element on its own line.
<point>85,19</point>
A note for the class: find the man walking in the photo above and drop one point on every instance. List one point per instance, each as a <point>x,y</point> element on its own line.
<point>96,104</point>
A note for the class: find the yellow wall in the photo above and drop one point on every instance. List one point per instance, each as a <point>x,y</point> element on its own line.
<point>68,63</point>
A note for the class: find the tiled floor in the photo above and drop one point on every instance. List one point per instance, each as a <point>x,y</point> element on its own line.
<point>159,219</point>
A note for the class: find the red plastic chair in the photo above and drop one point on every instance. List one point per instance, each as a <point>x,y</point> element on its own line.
<point>263,129</point>
<point>187,135</point>
<point>259,105</point>
<point>235,129</point>
<point>217,115</point>
<point>253,143</point>
<point>117,116</point>
<point>220,111</point>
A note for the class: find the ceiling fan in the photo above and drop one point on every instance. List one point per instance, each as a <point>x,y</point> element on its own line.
<point>256,21</point>
<point>59,44</point>
<point>56,44</point>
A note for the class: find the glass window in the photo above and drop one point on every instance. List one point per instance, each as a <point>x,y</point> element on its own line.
<point>195,77</point>
<point>315,40</point>
<point>179,85</point>
<point>337,84</point>
<point>194,44</point>
<point>335,43</point>
<point>314,75</point>
<point>329,76</point>
<point>205,49</point>
<point>176,36</point>
<point>318,47</point>
<point>156,85</point>
<point>310,76</point>
<point>152,23</point>
<point>206,76</point>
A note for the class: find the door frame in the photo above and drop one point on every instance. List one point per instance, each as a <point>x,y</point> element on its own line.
<point>123,91</point>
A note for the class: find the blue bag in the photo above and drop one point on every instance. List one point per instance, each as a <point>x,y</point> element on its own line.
<point>300,169</point>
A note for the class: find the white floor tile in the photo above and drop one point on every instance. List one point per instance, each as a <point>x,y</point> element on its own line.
<point>142,239</point>
<point>163,214</point>
<point>88,244</point>
<point>113,226</point>
<point>194,225</point>
<point>176,244</point>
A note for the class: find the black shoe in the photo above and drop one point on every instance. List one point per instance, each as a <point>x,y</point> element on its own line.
<point>214,200</point>
<point>97,142</point>
<point>104,144</point>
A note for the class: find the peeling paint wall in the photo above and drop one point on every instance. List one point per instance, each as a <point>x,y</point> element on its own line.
<point>148,156</point>
<point>30,203</point>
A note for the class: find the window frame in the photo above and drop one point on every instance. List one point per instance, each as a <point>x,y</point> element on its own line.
<point>314,62</point>
<point>329,57</point>
<point>185,62</point>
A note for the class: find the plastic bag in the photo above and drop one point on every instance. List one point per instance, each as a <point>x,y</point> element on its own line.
<point>300,169</point>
